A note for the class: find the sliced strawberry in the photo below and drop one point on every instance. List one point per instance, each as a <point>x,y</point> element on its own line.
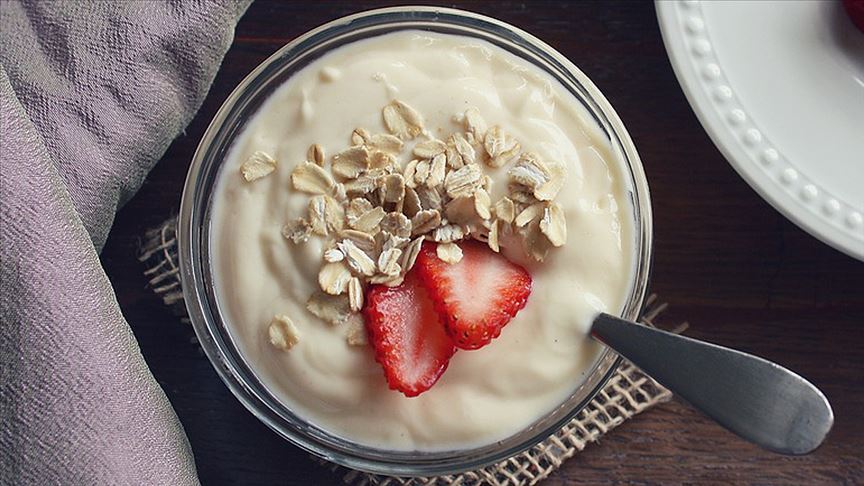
<point>478,296</point>
<point>408,336</point>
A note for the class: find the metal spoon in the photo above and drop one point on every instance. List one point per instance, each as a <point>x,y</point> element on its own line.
<point>756,399</point>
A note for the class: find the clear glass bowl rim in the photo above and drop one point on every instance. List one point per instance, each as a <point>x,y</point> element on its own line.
<point>194,229</point>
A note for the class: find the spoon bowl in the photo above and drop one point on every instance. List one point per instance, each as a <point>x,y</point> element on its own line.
<point>756,399</point>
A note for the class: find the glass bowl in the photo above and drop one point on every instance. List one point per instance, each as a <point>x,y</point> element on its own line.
<point>195,226</point>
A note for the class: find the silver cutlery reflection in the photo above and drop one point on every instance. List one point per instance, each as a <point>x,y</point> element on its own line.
<point>756,399</point>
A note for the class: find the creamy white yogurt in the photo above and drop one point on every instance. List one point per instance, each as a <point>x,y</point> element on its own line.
<point>485,395</point>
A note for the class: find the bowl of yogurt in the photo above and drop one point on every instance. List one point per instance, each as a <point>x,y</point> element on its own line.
<point>330,170</point>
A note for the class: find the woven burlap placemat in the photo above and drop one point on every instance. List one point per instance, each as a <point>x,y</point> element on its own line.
<point>628,392</point>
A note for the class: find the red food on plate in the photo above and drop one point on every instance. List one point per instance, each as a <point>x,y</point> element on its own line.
<point>477,296</point>
<point>408,337</point>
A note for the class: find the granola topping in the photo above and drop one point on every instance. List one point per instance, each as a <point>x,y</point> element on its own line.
<point>308,177</point>
<point>402,120</point>
<point>258,165</point>
<point>315,154</point>
<point>449,252</point>
<point>283,333</point>
<point>442,194</point>
<point>329,308</point>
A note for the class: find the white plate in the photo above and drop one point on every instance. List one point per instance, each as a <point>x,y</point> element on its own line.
<point>779,87</point>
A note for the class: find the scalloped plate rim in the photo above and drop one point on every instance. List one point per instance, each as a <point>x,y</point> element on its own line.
<point>732,149</point>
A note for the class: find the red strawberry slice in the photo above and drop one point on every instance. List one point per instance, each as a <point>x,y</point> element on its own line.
<point>408,336</point>
<point>478,295</point>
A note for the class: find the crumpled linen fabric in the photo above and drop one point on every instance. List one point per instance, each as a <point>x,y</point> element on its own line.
<point>91,95</point>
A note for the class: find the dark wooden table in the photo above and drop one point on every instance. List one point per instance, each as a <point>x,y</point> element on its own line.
<point>728,263</point>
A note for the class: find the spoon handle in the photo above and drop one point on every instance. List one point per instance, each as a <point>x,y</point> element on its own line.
<point>756,399</point>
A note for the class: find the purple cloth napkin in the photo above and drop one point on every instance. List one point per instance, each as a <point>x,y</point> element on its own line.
<point>91,95</point>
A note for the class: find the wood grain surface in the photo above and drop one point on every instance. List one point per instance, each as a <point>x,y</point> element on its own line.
<point>728,263</point>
